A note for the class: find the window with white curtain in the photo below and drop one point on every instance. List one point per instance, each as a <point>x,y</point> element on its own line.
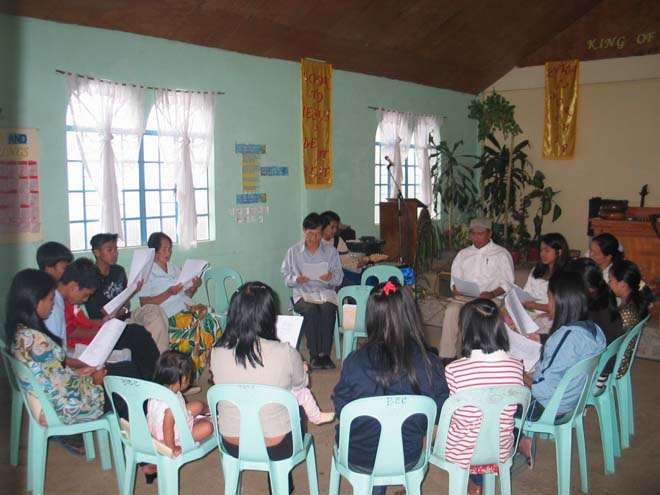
<point>147,195</point>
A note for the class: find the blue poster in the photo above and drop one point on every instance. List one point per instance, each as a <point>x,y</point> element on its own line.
<point>274,171</point>
<point>257,149</point>
<point>248,198</point>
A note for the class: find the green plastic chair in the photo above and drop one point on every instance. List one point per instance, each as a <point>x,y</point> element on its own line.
<point>491,401</point>
<point>33,392</point>
<point>250,399</point>
<point>389,468</point>
<point>382,273</point>
<point>561,429</point>
<point>622,383</point>
<point>602,399</point>
<point>16,408</point>
<point>360,294</point>
<point>218,277</point>
<point>139,445</point>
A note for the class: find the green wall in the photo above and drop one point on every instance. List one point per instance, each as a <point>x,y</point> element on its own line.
<point>261,105</point>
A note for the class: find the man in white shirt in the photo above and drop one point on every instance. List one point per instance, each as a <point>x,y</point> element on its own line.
<point>484,263</point>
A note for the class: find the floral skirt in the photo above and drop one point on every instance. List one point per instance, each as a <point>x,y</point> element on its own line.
<point>195,331</point>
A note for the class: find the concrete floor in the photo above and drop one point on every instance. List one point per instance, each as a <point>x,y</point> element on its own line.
<point>67,474</point>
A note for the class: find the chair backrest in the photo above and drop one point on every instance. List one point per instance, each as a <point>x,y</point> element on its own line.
<point>382,273</point>
<point>249,399</point>
<point>491,402</point>
<point>5,361</point>
<point>135,394</point>
<point>360,294</point>
<point>583,370</point>
<point>628,350</point>
<point>390,411</point>
<point>35,398</point>
<point>608,354</point>
<point>218,276</point>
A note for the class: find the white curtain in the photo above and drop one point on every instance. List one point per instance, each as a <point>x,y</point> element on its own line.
<point>108,120</point>
<point>425,125</point>
<point>395,132</point>
<point>186,123</point>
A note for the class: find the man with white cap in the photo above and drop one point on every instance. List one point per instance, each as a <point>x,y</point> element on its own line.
<point>484,263</point>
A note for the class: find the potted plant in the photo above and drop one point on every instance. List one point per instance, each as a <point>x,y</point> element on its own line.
<point>544,198</point>
<point>430,241</point>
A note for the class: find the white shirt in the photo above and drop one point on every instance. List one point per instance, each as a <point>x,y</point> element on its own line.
<point>161,280</point>
<point>489,267</point>
<point>55,322</point>
<point>537,288</point>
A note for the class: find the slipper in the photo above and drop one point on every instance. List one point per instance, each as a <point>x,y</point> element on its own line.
<point>192,390</point>
<point>70,446</point>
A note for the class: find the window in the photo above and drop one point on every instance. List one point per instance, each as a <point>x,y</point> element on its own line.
<point>147,195</point>
<point>411,178</point>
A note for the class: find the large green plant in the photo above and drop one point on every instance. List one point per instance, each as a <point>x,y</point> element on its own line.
<point>544,197</point>
<point>429,241</point>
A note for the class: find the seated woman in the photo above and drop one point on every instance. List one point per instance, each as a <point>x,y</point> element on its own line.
<point>394,360</point>
<point>626,283</point>
<point>553,256</point>
<point>194,329</point>
<point>605,249</point>
<point>573,338</point>
<point>249,352</point>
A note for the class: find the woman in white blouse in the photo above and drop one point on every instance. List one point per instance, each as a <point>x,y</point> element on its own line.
<point>553,256</point>
<point>194,329</point>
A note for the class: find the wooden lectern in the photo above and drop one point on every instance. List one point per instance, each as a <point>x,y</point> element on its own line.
<point>389,228</point>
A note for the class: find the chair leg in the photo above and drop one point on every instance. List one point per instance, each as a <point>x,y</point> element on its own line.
<point>38,455</point>
<point>629,405</point>
<point>605,426</point>
<point>335,479</point>
<point>30,463</point>
<point>16,423</point>
<point>168,480</point>
<point>129,474</point>
<point>489,484</point>
<point>231,474</point>
<point>582,455</point>
<point>117,452</point>
<point>88,439</point>
<point>563,447</point>
<point>312,477</point>
<point>458,481</point>
<point>616,439</point>
<point>104,450</point>
<point>348,343</point>
<point>337,342</point>
<point>624,420</point>
<point>279,479</point>
<point>505,480</point>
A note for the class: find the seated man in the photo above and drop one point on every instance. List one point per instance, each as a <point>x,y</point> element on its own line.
<point>486,264</point>
<point>319,319</point>
<point>112,281</point>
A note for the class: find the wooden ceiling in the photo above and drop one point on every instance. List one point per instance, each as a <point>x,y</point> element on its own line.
<point>464,45</point>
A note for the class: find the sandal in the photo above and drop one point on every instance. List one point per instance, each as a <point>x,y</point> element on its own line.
<point>70,444</point>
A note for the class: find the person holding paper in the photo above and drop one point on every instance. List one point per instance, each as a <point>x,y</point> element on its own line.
<point>319,319</point>
<point>193,328</point>
<point>113,281</point>
<point>485,264</point>
<point>553,256</point>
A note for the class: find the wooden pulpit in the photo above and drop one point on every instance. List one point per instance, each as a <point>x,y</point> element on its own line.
<point>389,228</point>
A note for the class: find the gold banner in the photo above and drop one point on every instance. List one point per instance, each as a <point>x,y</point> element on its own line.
<point>317,123</point>
<point>561,100</point>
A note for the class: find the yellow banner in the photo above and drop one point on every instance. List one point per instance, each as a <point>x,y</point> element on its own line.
<point>317,123</point>
<point>561,100</point>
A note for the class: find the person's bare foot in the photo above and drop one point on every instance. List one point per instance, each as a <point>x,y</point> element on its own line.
<point>326,417</point>
<point>525,448</point>
<point>473,488</point>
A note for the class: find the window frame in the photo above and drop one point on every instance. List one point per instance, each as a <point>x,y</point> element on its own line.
<point>407,170</point>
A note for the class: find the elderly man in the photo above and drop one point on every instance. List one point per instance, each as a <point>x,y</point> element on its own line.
<point>301,270</point>
<point>484,263</point>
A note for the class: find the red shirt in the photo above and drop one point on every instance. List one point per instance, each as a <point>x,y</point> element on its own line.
<point>75,317</point>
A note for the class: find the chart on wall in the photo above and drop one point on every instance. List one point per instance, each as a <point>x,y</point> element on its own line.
<point>20,211</point>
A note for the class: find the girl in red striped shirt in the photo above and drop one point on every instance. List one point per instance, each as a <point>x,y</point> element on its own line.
<point>484,363</point>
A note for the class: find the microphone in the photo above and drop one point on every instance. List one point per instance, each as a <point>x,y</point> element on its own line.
<point>390,162</point>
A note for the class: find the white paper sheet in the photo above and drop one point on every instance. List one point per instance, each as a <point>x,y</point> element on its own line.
<point>313,271</point>
<point>101,346</point>
<point>467,288</point>
<point>288,328</point>
<point>116,356</point>
<point>518,314</point>
<point>522,295</point>
<point>527,350</point>
<point>190,270</point>
<point>143,260</point>
<point>349,313</point>
<point>324,296</point>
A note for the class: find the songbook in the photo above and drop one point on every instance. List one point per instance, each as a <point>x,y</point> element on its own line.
<point>143,260</point>
<point>466,287</point>
<point>523,295</point>
<point>101,346</point>
<point>521,319</point>
<point>190,270</point>
<point>287,329</point>
<point>323,296</point>
<point>116,356</point>
<point>527,350</point>
<point>314,271</point>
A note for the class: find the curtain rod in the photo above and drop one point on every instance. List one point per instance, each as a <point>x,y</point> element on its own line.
<point>67,73</point>
<point>425,114</point>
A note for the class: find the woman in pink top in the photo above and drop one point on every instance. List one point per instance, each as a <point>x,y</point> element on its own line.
<point>485,363</point>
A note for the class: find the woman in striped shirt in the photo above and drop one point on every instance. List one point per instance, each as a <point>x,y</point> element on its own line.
<point>485,363</point>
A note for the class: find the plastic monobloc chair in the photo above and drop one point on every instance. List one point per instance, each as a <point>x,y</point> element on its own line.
<point>252,453</point>
<point>16,409</point>
<point>491,401</point>
<point>218,276</point>
<point>382,273</point>
<point>140,446</point>
<point>37,402</point>
<point>389,468</point>
<point>602,399</point>
<point>622,383</point>
<point>360,294</point>
<point>562,428</point>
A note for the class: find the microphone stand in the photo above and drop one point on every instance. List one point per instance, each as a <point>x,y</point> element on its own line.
<point>399,209</point>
